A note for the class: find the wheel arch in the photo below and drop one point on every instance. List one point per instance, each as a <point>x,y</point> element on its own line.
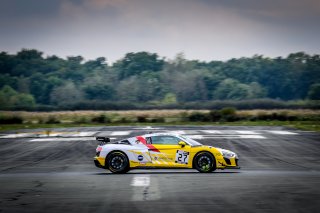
<point>113,151</point>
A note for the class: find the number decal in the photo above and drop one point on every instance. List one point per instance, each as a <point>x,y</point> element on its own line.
<point>182,157</point>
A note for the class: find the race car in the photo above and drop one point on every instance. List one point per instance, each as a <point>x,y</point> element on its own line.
<point>161,150</point>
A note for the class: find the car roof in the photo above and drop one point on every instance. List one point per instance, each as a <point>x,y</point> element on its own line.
<point>161,134</point>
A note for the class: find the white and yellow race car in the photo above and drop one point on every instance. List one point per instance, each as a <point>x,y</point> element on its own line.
<point>161,150</point>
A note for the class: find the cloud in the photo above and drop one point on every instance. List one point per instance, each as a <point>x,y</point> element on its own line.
<point>273,10</point>
<point>13,10</point>
<point>203,29</point>
<point>99,4</point>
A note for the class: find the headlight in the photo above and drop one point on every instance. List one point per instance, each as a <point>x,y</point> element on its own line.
<point>228,154</point>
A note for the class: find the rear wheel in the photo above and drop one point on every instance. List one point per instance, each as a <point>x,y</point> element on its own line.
<point>118,163</point>
<point>204,162</point>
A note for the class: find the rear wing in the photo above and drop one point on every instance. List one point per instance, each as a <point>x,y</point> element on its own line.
<point>103,140</point>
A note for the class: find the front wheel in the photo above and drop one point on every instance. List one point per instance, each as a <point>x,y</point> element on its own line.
<point>204,162</point>
<point>118,163</point>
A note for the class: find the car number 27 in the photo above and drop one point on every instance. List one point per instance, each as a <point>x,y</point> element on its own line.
<point>182,157</point>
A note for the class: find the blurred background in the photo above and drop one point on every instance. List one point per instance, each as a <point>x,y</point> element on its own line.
<point>142,54</point>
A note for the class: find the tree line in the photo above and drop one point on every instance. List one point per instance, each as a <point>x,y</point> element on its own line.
<point>28,79</point>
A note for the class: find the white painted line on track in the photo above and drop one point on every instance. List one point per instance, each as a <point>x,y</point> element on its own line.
<point>148,128</point>
<point>196,136</point>
<point>226,136</point>
<point>120,133</point>
<point>179,132</point>
<point>50,134</point>
<point>252,136</point>
<point>192,132</point>
<point>65,139</point>
<point>212,131</point>
<point>47,135</point>
<point>144,188</point>
<point>84,134</point>
<point>247,132</point>
<point>19,135</point>
<point>282,132</point>
<point>141,180</point>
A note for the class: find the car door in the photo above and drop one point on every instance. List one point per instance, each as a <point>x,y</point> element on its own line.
<point>167,152</point>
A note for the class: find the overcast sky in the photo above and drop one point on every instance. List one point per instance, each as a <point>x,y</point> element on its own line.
<point>201,29</point>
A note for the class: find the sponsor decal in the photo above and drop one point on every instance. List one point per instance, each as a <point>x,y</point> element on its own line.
<point>150,146</point>
<point>162,158</point>
<point>140,158</point>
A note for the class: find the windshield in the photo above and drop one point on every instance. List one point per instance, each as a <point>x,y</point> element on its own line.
<point>191,141</point>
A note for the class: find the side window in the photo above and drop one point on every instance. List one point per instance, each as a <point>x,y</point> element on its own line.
<point>170,140</point>
<point>157,140</point>
<point>148,139</point>
<point>124,142</point>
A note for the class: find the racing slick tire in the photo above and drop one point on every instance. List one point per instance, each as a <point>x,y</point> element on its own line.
<point>118,162</point>
<point>204,162</point>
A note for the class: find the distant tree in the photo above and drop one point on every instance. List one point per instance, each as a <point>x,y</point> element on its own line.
<point>179,60</point>
<point>41,86</point>
<point>75,60</point>
<point>66,94</point>
<point>256,91</point>
<point>231,89</point>
<point>23,85</point>
<point>73,69</point>
<point>10,98</point>
<point>97,63</point>
<point>6,94</point>
<point>136,63</point>
<point>128,89</point>
<point>189,86</point>
<point>6,79</point>
<point>169,98</point>
<point>29,54</point>
<point>314,92</point>
<point>99,92</point>
<point>309,76</point>
<point>145,78</point>
<point>6,63</point>
<point>23,100</point>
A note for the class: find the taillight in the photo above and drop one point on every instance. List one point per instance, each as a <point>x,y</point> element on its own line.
<point>99,148</point>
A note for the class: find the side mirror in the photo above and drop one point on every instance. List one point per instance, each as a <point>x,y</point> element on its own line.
<point>182,143</point>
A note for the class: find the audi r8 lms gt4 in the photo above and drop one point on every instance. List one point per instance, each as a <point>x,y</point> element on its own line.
<point>161,150</point>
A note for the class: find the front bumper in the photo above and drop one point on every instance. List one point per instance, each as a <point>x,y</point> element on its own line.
<point>228,163</point>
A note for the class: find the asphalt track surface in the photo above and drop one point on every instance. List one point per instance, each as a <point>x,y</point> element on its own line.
<point>280,172</point>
